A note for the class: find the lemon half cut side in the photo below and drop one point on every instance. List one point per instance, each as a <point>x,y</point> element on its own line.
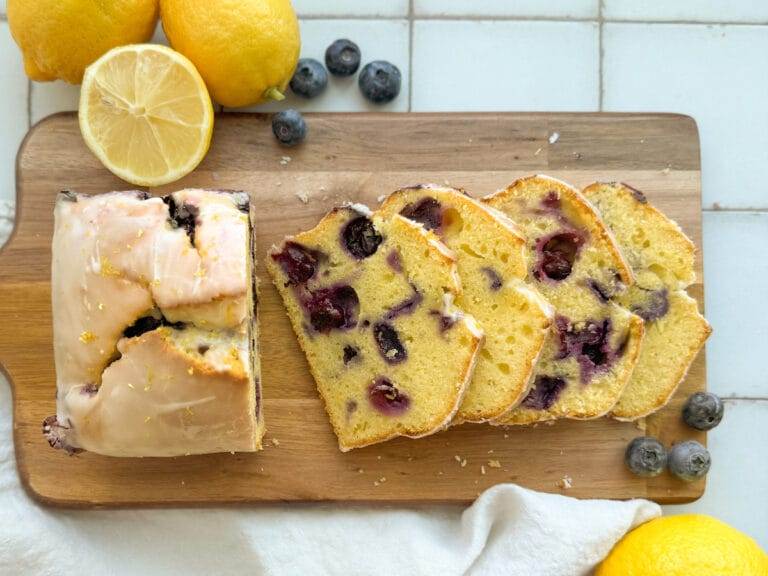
<point>146,114</point>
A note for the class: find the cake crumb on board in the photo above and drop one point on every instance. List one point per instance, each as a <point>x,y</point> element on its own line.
<point>566,482</point>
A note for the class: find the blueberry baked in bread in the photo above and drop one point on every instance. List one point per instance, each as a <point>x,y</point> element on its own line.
<point>661,257</point>
<point>371,302</point>
<point>576,265</point>
<point>491,260</point>
<point>155,336</point>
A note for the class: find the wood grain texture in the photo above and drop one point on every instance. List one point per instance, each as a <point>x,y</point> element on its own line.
<point>346,158</point>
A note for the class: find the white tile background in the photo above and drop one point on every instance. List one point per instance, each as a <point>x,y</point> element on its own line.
<point>708,59</point>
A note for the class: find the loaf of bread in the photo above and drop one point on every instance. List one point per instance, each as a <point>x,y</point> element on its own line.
<point>371,302</point>
<point>491,260</point>
<point>661,257</point>
<point>155,335</point>
<point>576,265</point>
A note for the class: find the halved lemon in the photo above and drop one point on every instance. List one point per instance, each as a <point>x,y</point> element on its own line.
<point>146,114</point>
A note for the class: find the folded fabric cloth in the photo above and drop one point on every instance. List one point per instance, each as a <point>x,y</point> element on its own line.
<point>6,220</point>
<point>509,530</point>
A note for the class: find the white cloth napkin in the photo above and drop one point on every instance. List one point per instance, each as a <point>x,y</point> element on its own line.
<point>508,531</point>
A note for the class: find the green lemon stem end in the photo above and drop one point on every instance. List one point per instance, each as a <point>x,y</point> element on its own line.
<point>274,94</point>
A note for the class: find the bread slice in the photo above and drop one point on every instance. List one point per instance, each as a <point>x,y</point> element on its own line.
<point>490,256</point>
<point>154,334</point>
<point>576,265</point>
<point>661,257</point>
<point>371,302</point>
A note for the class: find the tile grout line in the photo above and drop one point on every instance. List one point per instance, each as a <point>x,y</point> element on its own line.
<point>522,18</point>
<point>410,55</point>
<point>735,210</point>
<point>600,56</point>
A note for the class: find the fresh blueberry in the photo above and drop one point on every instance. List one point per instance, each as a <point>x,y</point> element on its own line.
<point>289,127</point>
<point>426,212</point>
<point>703,411</point>
<point>386,398</point>
<point>556,255</point>
<point>645,456</point>
<point>379,81</point>
<point>309,79</point>
<point>689,460</point>
<point>333,308</point>
<point>342,57</point>
<point>360,238</point>
<point>544,393</point>
<point>388,341</point>
<point>298,262</point>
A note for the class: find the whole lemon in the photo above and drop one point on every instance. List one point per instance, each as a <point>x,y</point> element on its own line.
<point>245,50</point>
<point>60,38</point>
<point>683,546</point>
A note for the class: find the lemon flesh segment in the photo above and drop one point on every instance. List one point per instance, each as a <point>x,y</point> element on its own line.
<point>146,114</point>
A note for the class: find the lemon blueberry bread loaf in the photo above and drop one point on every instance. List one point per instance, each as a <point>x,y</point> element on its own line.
<point>153,321</point>
<point>593,347</point>
<point>370,300</point>
<point>662,259</point>
<point>491,261</point>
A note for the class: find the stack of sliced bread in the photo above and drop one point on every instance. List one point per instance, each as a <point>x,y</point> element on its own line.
<point>536,303</point>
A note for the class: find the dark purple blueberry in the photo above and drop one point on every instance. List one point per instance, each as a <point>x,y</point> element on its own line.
<point>703,410</point>
<point>639,196</point>
<point>182,216</point>
<point>360,238</point>
<point>142,325</point>
<point>379,81</point>
<point>426,212</point>
<point>149,323</point>
<point>350,353</point>
<point>654,306</point>
<point>545,392</point>
<point>494,280</point>
<point>55,433</point>
<point>89,389</point>
<point>590,345</point>
<point>309,78</point>
<point>407,306</point>
<point>333,308</point>
<point>602,292</point>
<point>388,341</point>
<point>342,57</point>
<point>444,322</point>
<point>689,460</point>
<point>645,456</point>
<point>289,127</point>
<point>298,262</point>
<point>386,398</point>
<point>394,262</point>
<point>551,201</point>
<point>556,255</point>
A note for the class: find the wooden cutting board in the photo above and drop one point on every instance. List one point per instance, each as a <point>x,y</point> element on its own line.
<point>355,157</point>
